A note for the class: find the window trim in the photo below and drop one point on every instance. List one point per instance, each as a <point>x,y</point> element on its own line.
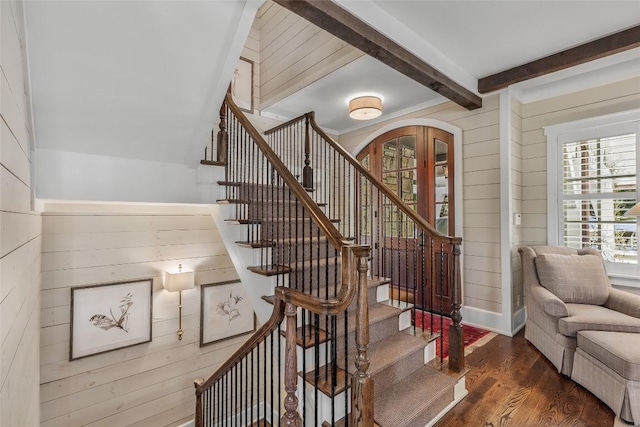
<point>591,128</point>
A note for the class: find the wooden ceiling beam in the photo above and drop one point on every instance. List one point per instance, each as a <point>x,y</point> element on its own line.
<point>605,46</point>
<point>332,18</point>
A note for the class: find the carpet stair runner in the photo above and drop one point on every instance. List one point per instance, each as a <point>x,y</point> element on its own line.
<point>408,391</point>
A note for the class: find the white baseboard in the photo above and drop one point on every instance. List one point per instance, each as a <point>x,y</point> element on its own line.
<point>483,319</point>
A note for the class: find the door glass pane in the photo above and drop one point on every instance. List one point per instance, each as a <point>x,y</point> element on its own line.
<point>407,152</point>
<point>441,187</point>
<point>365,162</point>
<point>390,179</point>
<point>390,155</point>
<point>409,186</point>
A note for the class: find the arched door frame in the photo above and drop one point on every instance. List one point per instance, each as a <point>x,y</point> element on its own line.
<point>457,156</point>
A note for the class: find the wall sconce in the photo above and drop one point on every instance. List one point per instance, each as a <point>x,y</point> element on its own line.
<point>365,108</point>
<point>179,282</point>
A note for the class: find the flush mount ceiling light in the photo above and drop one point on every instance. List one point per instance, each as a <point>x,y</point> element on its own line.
<point>365,107</point>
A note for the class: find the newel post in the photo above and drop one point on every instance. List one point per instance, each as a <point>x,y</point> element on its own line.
<point>199,410</point>
<point>361,382</point>
<point>291,417</point>
<point>307,171</point>
<point>221,148</point>
<point>456,332</point>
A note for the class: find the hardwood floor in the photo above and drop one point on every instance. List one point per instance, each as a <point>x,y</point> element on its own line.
<point>511,383</point>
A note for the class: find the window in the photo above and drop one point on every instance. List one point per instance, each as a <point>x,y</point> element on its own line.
<point>592,170</point>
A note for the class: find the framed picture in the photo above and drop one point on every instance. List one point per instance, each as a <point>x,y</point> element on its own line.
<point>110,316</point>
<point>242,85</point>
<point>225,312</point>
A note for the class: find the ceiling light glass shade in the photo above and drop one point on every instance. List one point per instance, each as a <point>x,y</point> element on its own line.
<point>365,108</point>
<point>634,211</point>
<point>179,281</point>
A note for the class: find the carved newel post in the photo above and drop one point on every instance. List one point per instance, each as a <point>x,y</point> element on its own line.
<point>291,417</point>
<point>221,147</point>
<point>307,171</point>
<point>361,382</point>
<point>456,332</point>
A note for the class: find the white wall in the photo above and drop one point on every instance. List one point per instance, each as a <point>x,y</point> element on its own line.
<point>149,384</point>
<point>20,229</point>
<point>79,176</point>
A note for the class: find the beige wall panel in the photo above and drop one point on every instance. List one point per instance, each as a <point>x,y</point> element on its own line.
<point>11,114</point>
<point>483,148</point>
<point>486,133</point>
<point>113,223</point>
<point>534,236</point>
<point>608,106</point>
<point>536,164</point>
<point>483,304</point>
<point>130,239</point>
<point>13,157</point>
<point>534,150</point>
<point>490,235</point>
<point>16,195</point>
<point>480,163</point>
<point>483,249</point>
<point>17,228</point>
<point>534,220</point>
<point>488,191</point>
<point>483,177</point>
<point>486,293</point>
<point>516,175</point>
<point>482,206</point>
<point>481,220</point>
<point>132,385</point>
<point>19,234</point>
<point>534,178</point>
<point>618,90</point>
<point>481,263</point>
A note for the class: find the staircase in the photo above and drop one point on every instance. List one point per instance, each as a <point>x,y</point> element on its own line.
<point>287,243</point>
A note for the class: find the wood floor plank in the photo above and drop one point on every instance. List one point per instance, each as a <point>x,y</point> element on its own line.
<point>511,384</point>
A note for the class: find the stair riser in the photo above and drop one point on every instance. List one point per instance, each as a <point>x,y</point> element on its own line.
<point>278,209</point>
<point>257,192</point>
<point>314,278</point>
<point>283,253</point>
<point>285,229</point>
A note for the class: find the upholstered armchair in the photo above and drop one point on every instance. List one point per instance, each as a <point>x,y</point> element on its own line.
<point>567,290</point>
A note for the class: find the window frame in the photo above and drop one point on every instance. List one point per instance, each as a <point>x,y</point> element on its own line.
<point>587,129</point>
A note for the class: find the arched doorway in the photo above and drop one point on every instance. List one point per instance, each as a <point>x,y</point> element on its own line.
<point>417,164</point>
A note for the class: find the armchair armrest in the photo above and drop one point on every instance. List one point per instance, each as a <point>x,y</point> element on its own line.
<point>551,304</point>
<point>623,302</point>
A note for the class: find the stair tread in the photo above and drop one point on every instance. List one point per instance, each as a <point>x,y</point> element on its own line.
<point>278,219</point>
<point>269,271</point>
<point>256,244</point>
<point>372,282</point>
<point>325,385</point>
<point>309,338</point>
<point>389,350</point>
<point>341,422</point>
<point>400,404</point>
<point>272,270</point>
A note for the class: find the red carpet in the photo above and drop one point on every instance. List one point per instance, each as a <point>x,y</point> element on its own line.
<point>471,334</point>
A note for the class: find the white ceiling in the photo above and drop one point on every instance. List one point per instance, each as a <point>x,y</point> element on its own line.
<point>143,79</point>
<point>468,40</point>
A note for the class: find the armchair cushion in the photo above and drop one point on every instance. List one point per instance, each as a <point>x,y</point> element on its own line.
<point>584,317</point>
<point>577,279</point>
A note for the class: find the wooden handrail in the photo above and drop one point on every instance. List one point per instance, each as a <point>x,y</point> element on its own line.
<point>418,219</point>
<point>318,216</point>
<point>285,295</point>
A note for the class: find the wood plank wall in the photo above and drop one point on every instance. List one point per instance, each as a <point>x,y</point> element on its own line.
<point>149,384</point>
<point>20,229</point>
<point>612,98</point>
<point>481,192</point>
<point>295,53</point>
<point>517,294</point>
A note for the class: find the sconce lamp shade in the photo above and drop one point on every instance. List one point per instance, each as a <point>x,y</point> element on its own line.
<point>634,211</point>
<point>179,281</point>
<point>365,108</point>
